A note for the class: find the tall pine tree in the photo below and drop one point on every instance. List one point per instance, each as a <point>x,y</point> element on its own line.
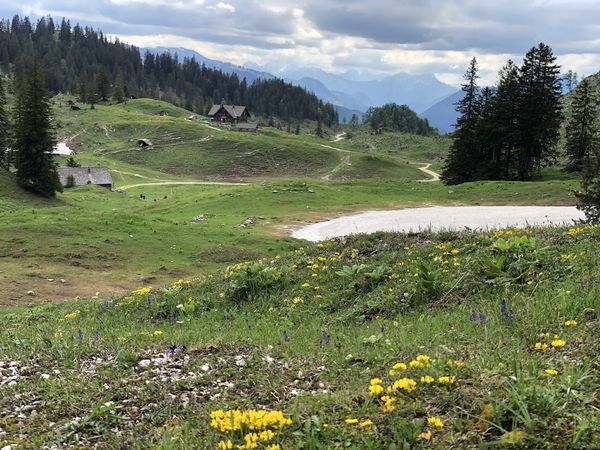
<point>462,161</point>
<point>581,126</point>
<point>539,111</point>
<point>5,130</point>
<point>34,137</point>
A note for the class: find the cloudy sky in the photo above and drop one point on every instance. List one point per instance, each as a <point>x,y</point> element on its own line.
<point>382,36</point>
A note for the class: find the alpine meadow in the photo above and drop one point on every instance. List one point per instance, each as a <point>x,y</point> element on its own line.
<point>279,246</point>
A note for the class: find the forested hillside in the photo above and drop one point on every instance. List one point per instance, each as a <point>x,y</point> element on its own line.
<point>86,62</point>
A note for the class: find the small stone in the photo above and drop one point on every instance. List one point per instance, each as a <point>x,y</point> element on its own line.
<point>31,293</point>
<point>45,376</point>
<point>144,363</point>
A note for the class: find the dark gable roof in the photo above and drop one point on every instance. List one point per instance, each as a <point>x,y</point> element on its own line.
<point>234,111</point>
<point>85,175</point>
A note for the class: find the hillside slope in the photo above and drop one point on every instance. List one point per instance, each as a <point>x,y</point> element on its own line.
<point>197,149</point>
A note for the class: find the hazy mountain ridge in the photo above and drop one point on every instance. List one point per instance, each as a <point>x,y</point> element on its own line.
<point>350,91</point>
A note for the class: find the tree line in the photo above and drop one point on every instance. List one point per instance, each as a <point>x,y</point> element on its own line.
<point>511,130</point>
<point>393,117</point>
<point>85,62</point>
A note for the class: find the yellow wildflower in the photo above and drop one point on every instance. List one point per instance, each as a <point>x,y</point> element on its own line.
<point>558,343</point>
<point>426,435</point>
<point>540,346</point>
<point>366,423</point>
<point>400,366</point>
<point>389,403</point>
<point>570,323</point>
<point>427,379</point>
<point>456,363</point>
<point>435,421</point>
<point>225,445</point>
<point>157,333</point>
<point>406,384</point>
<point>551,372</point>
<point>351,421</point>
<point>72,315</point>
<point>447,380</point>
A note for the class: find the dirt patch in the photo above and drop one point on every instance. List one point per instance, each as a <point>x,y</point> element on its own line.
<point>225,254</point>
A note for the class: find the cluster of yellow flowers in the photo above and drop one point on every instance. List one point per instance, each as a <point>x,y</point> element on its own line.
<point>556,341</point>
<point>257,425</point>
<point>388,395</point>
<point>178,283</point>
<point>142,291</point>
<point>72,315</point>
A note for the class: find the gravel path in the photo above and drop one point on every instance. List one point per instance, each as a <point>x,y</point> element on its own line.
<point>439,218</point>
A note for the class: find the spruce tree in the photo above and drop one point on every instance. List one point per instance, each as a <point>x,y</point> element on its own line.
<point>102,85</point>
<point>581,126</point>
<point>119,93</point>
<point>5,130</point>
<point>34,137</point>
<point>504,136</point>
<point>539,111</point>
<point>462,161</point>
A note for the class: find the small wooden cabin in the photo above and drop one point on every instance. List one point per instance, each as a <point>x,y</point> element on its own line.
<point>228,114</point>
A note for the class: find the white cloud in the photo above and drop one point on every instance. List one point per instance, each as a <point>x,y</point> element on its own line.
<point>224,6</point>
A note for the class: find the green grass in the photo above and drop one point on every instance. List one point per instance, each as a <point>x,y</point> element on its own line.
<point>98,241</point>
<point>305,333</point>
<point>401,146</point>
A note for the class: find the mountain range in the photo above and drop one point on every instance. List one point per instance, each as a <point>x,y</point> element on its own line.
<point>350,92</point>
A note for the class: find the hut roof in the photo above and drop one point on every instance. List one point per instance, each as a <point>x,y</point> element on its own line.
<point>247,126</point>
<point>234,111</point>
<point>85,175</point>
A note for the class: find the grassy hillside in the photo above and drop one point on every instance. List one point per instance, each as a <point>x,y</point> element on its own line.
<point>452,340</point>
<point>195,149</point>
<point>401,146</point>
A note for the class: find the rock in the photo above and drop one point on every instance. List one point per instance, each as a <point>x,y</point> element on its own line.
<point>199,218</point>
<point>247,223</point>
<point>45,376</point>
<point>144,363</point>
<point>31,293</point>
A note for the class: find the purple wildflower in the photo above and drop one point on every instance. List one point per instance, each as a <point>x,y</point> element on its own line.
<point>79,335</point>
<point>97,335</point>
<point>481,317</point>
<point>286,336</point>
<point>387,431</point>
<point>381,328</point>
<point>149,300</point>
<point>231,317</point>
<point>104,306</point>
<point>472,316</point>
<point>174,318</point>
<point>511,315</point>
<point>503,306</point>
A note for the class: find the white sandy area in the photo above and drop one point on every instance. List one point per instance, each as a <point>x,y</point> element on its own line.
<point>438,218</point>
<point>62,149</point>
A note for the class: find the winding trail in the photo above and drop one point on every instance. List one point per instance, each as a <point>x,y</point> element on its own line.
<point>425,169</point>
<point>339,136</point>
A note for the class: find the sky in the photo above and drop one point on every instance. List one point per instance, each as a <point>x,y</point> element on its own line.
<point>375,36</point>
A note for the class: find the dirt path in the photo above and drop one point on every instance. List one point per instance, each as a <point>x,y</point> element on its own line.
<point>339,136</point>
<point>137,175</point>
<point>334,148</point>
<point>439,218</point>
<point>344,162</point>
<point>425,169</point>
<point>173,183</point>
